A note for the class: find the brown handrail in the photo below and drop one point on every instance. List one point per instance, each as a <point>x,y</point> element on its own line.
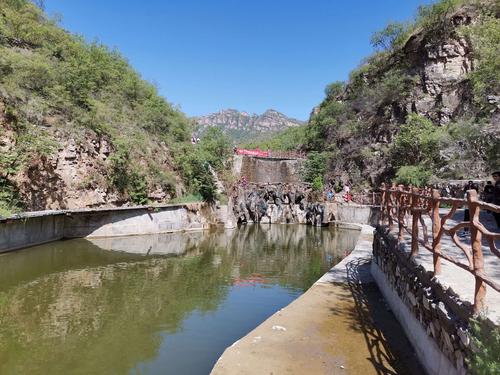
<point>397,202</point>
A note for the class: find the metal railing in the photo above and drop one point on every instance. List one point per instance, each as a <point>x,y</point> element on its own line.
<point>399,204</point>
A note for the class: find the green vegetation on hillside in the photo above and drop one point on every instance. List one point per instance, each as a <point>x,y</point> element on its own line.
<point>287,140</point>
<point>369,127</point>
<point>56,86</point>
<point>214,151</point>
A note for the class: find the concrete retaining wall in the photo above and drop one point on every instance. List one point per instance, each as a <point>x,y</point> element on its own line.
<point>126,222</point>
<point>29,230</point>
<point>351,213</point>
<point>36,228</point>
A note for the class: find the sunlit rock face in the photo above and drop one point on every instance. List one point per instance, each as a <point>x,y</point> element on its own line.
<point>443,92</point>
<point>277,203</point>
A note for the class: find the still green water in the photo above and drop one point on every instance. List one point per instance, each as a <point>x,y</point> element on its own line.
<point>162,304</point>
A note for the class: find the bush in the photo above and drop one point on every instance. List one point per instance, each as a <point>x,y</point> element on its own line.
<point>315,167</point>
<point>485,37</point>
<point>434,16</point>
<point>196,172</point>
<point>486,340</point>
<point>335,89</point>
<point>414,175</point>
<point>417,143</point>
<point>215,148</point>
<point>317,184</point>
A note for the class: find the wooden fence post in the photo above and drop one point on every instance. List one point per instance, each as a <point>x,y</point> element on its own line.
<point>414,223</point>
<point>401,213</point>
<point>477,252</point>
<point>389,207</point>
<point>436,227</point>
<point>382,204</point>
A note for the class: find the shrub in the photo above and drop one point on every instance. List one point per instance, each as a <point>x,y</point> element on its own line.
<point>485,37</point>
<point>317,184</point>
<point>413,174</point>
<point>417,143</point>
<point>315,166</point>
<point>335,89</point>
<point>215,148</point>
<point>486,340</point>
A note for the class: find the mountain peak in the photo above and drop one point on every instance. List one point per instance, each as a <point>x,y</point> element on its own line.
<point>241,125</point>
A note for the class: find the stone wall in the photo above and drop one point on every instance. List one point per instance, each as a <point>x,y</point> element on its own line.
<point>434,317</point>
<point>294,203</point>
<point>277,203</point>
<point>264,170</point>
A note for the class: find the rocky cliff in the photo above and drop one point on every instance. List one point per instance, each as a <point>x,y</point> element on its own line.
<point>79,127</point>
<point>244,126</point>
<point>425,106</point>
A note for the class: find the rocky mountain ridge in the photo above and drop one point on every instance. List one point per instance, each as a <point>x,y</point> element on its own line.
<point>241,125</point>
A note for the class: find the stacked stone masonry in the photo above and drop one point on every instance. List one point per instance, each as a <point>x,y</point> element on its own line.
<point>439,310</point>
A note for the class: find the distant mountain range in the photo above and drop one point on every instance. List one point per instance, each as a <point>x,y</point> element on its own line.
<point>243,126</point>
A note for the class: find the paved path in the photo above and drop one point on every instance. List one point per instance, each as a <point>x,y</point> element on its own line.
<point>461,281</point>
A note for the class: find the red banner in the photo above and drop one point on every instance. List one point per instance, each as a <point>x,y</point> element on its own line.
<point>257,152</point>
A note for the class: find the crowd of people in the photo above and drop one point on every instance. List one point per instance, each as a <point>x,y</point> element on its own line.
<point>334,189</point>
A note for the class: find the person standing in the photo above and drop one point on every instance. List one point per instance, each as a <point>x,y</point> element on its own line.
<point>488,192</point>
<point>468,186</point>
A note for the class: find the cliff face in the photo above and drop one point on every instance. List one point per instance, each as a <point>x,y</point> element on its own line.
<point>78,126</point>
<point>430,78</point>
<point>75,173</point>
<point>242,125</point>
<point>443,65</point>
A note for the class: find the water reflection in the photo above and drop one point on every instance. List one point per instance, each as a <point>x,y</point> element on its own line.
<point>75,307</point>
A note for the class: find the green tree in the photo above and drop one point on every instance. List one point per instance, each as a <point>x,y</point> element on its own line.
<point>415,175</point>
<point>315,167</point>
<point>394,34</point>
<point>215,147</point>
<point>417,143</point>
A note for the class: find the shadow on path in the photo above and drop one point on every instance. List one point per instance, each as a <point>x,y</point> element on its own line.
<point>390,351</point>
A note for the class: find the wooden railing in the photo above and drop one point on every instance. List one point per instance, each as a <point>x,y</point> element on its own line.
<point>399,204</point>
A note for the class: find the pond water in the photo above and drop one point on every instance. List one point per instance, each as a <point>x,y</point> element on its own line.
<point>162,304</point>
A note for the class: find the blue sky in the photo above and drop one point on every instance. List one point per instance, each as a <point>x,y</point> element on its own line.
<point>245,54</point>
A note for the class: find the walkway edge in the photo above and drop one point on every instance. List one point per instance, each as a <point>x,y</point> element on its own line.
<point>336,275</point>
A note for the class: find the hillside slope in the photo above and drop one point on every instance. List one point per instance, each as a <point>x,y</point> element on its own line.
<point>79,127</point>
<point>242,126</point>
<point>424,107</point>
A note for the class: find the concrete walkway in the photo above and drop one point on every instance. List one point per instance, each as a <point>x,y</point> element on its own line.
<point>339,326</point>
<point>461,281</point>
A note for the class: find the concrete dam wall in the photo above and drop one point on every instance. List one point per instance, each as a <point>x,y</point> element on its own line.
<point>35,228</point>
<point>267,170</point>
